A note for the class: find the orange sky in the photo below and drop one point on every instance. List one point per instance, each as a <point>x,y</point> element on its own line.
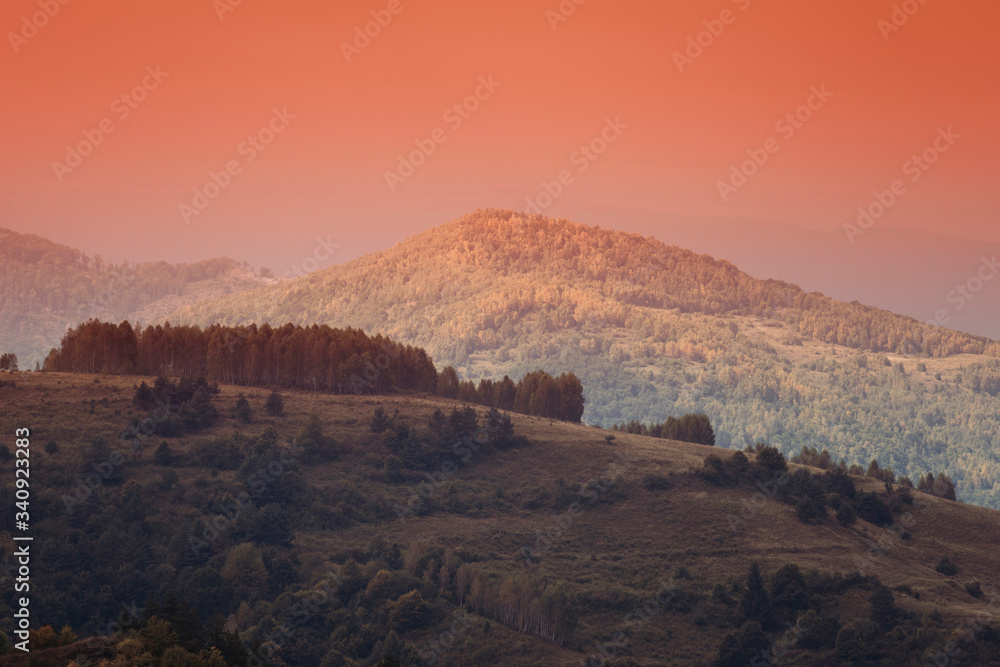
<point>324,174</point>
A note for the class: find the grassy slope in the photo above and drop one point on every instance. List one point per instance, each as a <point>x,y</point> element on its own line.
<point>626,546</point>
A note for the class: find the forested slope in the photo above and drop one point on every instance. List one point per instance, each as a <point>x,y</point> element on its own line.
<point>655,331</point>
<point>327,530</point>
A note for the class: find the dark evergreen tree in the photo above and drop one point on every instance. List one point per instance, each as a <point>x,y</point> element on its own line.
<point>447,383</point>
<point>846,516</point>
<point>380,421</point>
<point>754,604</point>
<point>885,613</point>
<point>242,412</point>
<point>163,456</point>
<point>275,405</point>
<point>771,459</point>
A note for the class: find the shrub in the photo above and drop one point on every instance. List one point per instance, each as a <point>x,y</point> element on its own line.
<point>169,479</point>
<point>43,638</point>
<point>409,611</point>
<point>850,649</point>
<point>714,470</point>
<point>810,511</point>
<point>315,445</point>
<point>771,459</point>
<point>654,482</point>
<point>242,412</point>
<point>727,473</point>
<point>872,508</point>
<point>719,595</point>
<point>817,632</point>
<point>787,589</point>
<point>973,588</point>
<point>739,648</point>
<point>382,585</point>
<point>67,636</point>
<point>380,421</point>
<point>846,516</point>
<point>946,567</point>
<point>393,469</point>
<point>275,405</point>
<point>884,610</point>
<point>163,456</point>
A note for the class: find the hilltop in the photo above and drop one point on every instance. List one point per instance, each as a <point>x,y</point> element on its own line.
<point>650,572</point>
<point>653,330</point>
<point>496,271</point>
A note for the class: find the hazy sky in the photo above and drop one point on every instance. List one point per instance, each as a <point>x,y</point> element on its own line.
<point>206,84</point>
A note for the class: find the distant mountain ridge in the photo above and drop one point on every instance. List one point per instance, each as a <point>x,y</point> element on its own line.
<point>906,271</point>
<point>48,287</point>
<point>505,263</point>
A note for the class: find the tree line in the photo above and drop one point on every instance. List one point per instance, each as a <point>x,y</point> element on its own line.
<point>318,357</point>
<point>537,393</point>
<point>692,427</point>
